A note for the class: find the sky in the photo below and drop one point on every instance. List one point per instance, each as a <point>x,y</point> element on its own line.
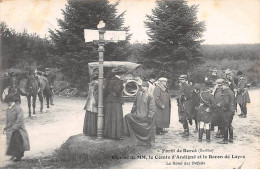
<point>227,21</point>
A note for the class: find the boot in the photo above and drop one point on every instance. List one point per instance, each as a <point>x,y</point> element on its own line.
<point>225,141</point>
<point>231,134</point>
<point>208,135</point>
<point>200,134</point>
<point>186,132</point>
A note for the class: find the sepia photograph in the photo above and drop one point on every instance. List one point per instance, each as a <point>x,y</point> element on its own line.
<point>129,84</point>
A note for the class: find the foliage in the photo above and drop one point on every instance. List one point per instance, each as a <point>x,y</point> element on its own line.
<point>232,51</point>
<point>69,43</point>
<point>20,50</point>
<point>175,37</point>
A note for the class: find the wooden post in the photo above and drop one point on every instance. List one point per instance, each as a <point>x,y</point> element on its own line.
<point>100,119</point>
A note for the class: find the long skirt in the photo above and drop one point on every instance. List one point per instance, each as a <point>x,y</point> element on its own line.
<point>90,124</point>
<point>15,147</point>
<point>113,120</point>
<point>139,129</point>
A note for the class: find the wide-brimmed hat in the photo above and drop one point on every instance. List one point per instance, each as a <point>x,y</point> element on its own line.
<point>119,69</point>
<point>12,98</point>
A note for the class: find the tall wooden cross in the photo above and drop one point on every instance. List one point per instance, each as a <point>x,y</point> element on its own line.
<point>102,36</point>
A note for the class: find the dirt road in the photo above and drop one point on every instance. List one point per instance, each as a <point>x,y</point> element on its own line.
<point>48,130</point>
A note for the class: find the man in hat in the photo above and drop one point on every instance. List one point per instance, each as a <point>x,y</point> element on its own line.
<point>213,76</point>
<point>242,97</point>
<point>228,110</point>
<point>16,134</point>
<point>163,106</point>
<point>185,104</point>
<point>139,124</point>
<point>230,79</point>
<point>207,103</point>
<point>218,95</point>
<point>51,77</point>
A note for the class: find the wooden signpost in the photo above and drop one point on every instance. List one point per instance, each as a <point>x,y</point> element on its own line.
<point>102,36</point>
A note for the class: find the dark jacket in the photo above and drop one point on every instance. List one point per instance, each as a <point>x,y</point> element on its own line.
<point>207,104</point>
<point>162,115</point>
<point>114,91</point>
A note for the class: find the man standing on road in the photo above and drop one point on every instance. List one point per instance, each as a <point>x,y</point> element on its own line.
<point>218,95</point>
<point>242,97</point>
<point>207,103</point>
<point>185,104</point>
<point>51,78</point>
<point>163,106</point>
<point>228,108</point>
<point>195,103</point>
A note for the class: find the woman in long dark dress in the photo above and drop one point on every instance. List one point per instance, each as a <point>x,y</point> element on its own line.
<point>91,107</point>
<point>113,105</point>
<point>16,136</point>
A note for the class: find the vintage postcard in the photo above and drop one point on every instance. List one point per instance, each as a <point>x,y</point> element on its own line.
<point>130,84</point>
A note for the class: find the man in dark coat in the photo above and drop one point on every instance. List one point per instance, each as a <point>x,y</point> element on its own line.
<point>185,104</point>
<point>163,106</point>
<point>207,103</point>
<point>227,104</point>
<point>51,78</point>
<point>242,97</point>
<point>195,103</point>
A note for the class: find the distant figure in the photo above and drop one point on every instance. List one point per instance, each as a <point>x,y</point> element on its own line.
<point>139,124</point>
<point>213,76</point>
<point>195,98</point>
<point>51,78</point>
<point>16,135</point>
<point>163,106</point>
<point>91,107</point>
<point>242,97</point>
<point>113,127</point>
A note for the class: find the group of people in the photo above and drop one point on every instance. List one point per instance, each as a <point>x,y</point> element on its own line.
<point>213,105</point>
<point>140,124</point>
<point>210,104</point>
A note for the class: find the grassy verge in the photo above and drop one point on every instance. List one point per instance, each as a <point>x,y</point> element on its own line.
<point>80,151</point>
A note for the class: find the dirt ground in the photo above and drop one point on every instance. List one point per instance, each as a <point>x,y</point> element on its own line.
<point>50,129</point>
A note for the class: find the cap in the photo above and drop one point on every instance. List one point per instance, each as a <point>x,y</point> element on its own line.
<point>47,69</point>
<point>228,71</point>
<point>162,79</point>
<point>183,77</point>
<point>239,73</point>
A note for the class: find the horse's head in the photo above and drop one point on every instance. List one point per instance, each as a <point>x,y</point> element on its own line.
<point>32,84</point>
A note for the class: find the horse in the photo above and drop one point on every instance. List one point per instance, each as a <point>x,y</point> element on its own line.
<point>37,85</point>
